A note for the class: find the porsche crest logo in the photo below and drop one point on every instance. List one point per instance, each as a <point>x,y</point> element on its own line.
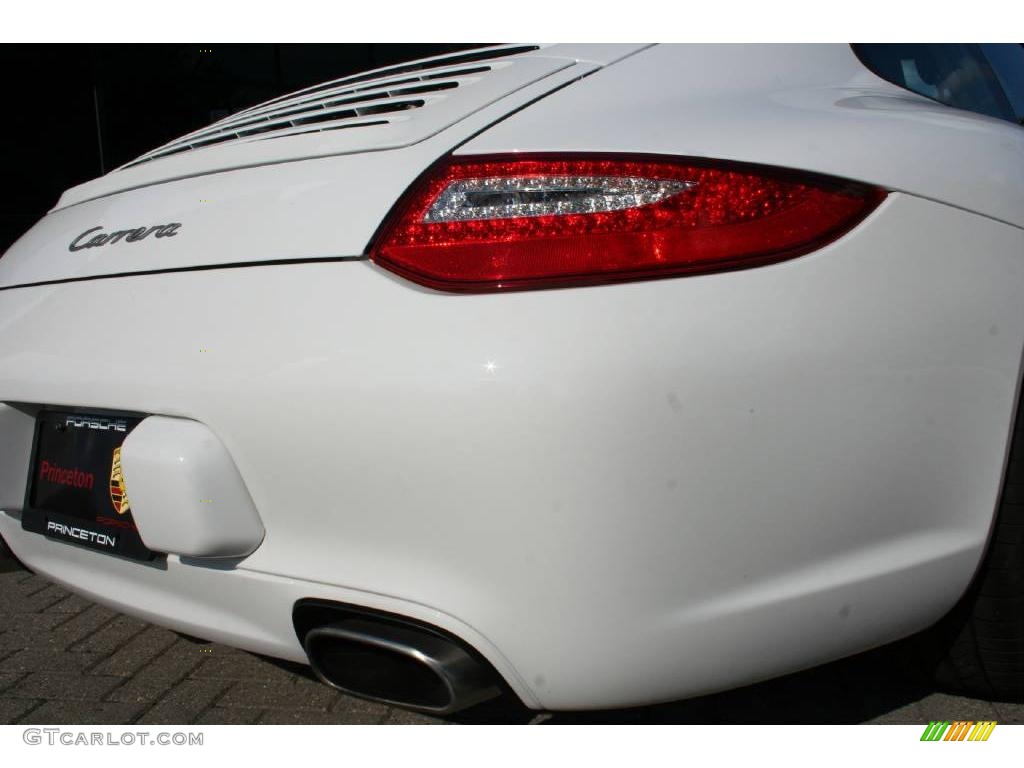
<point>118,497</point>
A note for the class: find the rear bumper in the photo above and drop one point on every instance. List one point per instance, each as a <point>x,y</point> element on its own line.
<point>618,495</point>
<point>216,601</point>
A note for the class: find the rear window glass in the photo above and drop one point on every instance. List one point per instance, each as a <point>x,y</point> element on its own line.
<point>1007,59</point>
<point>957,74</point>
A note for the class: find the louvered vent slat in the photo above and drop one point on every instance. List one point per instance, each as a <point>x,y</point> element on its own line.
<point>346,102</point>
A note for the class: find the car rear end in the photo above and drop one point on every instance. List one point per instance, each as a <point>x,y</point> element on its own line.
<point>244,398</point>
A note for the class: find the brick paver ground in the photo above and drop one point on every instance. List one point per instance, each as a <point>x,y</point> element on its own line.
<point>64,660</point>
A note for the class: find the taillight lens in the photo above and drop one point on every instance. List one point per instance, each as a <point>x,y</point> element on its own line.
<point>512,222</point>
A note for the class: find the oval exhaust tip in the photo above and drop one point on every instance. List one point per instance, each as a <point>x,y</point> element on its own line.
<point>399,664</point>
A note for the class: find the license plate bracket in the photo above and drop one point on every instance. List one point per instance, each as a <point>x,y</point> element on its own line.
<point>75,491</point>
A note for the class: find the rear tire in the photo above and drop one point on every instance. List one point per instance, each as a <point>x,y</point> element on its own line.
<point>978,648</point>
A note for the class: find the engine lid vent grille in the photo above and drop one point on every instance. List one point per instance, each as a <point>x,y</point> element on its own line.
<point>381,97</point>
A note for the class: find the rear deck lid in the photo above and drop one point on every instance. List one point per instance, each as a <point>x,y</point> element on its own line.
<point>383,109</point>
<point>307,176</point>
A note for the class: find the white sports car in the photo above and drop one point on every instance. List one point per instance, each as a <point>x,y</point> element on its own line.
<point>592,375</point>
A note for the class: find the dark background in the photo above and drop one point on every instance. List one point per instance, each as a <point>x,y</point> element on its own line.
<point>74,112</point>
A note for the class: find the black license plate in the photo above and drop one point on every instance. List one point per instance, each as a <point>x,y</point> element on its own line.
<point>76,489</point>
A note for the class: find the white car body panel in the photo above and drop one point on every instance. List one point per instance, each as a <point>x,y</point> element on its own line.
<point>187,495</point>
<point>815,108</point>
<point>618,494</point>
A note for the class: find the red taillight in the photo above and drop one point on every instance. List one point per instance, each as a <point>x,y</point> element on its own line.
<point>503,223</point>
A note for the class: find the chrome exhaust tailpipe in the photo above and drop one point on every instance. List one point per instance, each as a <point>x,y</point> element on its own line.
<point>401,664</point>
